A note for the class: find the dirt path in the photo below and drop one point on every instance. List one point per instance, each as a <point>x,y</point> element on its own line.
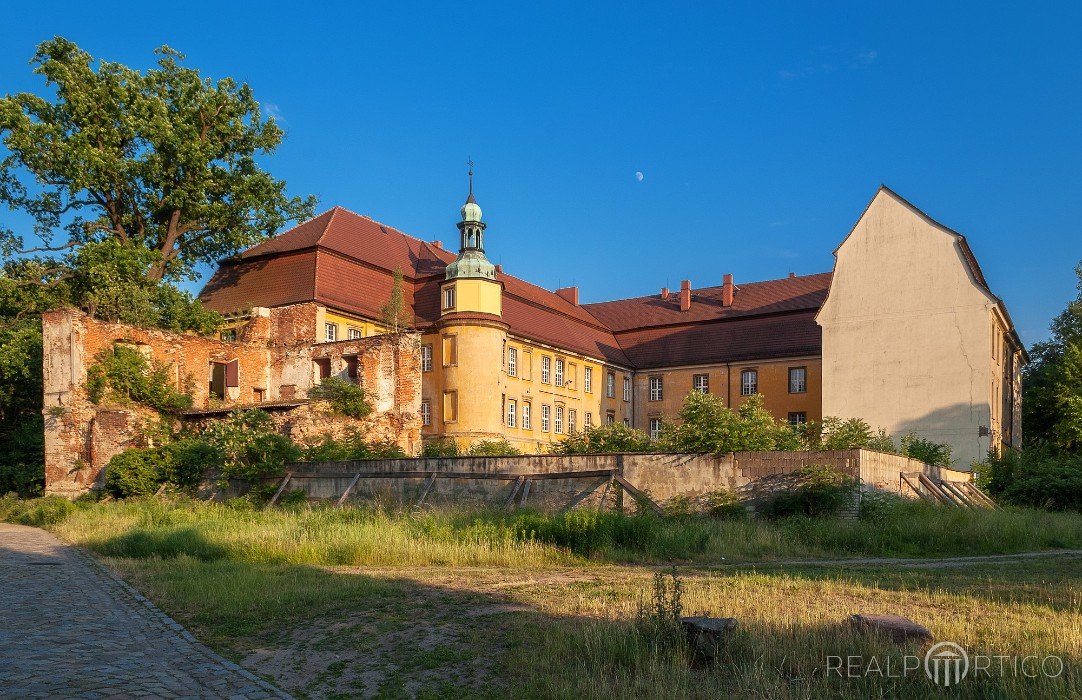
<point>908,562</point>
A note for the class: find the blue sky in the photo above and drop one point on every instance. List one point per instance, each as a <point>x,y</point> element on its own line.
<point>761,129</point>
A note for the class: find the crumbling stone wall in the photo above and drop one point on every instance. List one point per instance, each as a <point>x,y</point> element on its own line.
<point>271,364</point>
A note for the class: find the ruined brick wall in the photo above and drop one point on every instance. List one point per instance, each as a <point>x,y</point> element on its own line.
<point>274,350</point>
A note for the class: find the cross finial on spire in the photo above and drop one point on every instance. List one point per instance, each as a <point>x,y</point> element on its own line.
<point>470,164</point>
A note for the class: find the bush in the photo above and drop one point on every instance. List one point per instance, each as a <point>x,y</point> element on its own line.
<point>249,446</point>
<point>1036,477</point>
<point>707,425</point>
<point>38,512</point>
<point>934,453</point>
<point>188,460</point>
<point>817,490</point>
<point>345,397</point>
<point>353,446</point>
<point>601,439</point>
<point>493,448</point>
<point>724,505</point>
<point>122,373</point>
<point>440,447</point>
<point>136,472</point>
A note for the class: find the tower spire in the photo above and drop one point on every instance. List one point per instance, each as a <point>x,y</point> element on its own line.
<point>471,260</point>
<point>470,164</point>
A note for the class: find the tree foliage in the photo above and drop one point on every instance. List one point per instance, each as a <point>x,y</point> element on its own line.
<point>1052,384</point>
<point>124,374</point>
<point>396,317</point>
<point>601,439</point>
<point>344,397</point>
<point>163,160</point>
<point>707,425</point>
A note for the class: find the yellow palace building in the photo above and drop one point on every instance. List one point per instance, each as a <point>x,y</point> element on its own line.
<point>505,359</point>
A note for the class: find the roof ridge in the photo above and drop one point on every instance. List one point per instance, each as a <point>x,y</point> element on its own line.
<point>718,319</point>
<point>700,289</point>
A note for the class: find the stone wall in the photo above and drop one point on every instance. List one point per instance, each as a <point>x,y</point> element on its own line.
<point>273,366</point>
<point>753,475</point>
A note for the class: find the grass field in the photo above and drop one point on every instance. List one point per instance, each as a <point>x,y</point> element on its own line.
<point>453,604</point>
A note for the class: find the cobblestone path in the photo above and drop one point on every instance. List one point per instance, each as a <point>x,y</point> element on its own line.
<point>70,629</point>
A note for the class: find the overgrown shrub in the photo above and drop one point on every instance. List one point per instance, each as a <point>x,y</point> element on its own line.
<point>37,512</point>
<point>707,425</point>
<point>123,373</point>
<point>344,397</point>
<point>440,447</point>
<point>935,453</point>
<point>1036,477</point>
<point>600,439</point>
<point>136,472</point>
<point>249,446</point>
<point>189,458</point>
<point>724,505</point>
<point>837,434</point>
<point>816,490</point>
<point>658,621</point>
<point>351,447</point>
<point>493,448</point>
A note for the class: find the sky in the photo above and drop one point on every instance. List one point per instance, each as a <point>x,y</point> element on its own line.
<point>760,130</point>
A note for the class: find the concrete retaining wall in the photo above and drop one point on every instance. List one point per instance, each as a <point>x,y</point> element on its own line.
<point>663,476</point>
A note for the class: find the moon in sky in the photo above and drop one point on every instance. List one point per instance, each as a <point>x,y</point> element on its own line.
<point>638,175</point>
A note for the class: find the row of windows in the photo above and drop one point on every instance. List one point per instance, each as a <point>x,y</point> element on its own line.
<point>330,332</point>
<point>749,383</point>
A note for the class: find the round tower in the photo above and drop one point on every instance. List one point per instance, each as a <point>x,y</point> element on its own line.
<point>473,335</point>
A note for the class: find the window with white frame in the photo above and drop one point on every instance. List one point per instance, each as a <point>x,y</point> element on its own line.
<point>559,420</point>
<point>546,368</point>
<point>545,417</point>
<point>701,383</point>
<point>798,380</point>
<point>657,391</point>
<point>330,331</point>
<point>449,298</point>
<point>610,385</point>
<point>627,388</point>
<point>571,421</point>
<point>749,382</point>
<point>526,416</point>
<point>559,372</point>
<point>797,418</point>
<point>588,379</point>
<point>588,420</point>
<point>426,413</point>
<point>512,362</point>
<point>353,333</point>
<point>655,428</point>
<point>511,417</point>
<point>426,358</point>
<point>610,417</point>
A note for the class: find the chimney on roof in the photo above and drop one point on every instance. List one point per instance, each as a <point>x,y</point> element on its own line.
<point>570,294</point>
<point>792,275</point>
<point>685,295</point>
<point>499,268</point>
<point>437,244</point>
<point>727,289</point>
<point>664,293</point>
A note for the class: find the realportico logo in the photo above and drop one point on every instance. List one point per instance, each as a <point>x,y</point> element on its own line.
<point>946,663</point>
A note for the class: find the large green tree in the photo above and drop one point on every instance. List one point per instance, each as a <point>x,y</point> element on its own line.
<point>1052,384</point>
<point>131,180</point>
<point>163,160</point>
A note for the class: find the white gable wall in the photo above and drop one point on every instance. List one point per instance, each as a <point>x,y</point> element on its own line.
<point>906,332</point>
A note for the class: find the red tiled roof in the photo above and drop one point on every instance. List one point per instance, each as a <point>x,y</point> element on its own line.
<point>751,298</point>
<point>346,261</point>
<point>269,281</point>
<point>791,334</point>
